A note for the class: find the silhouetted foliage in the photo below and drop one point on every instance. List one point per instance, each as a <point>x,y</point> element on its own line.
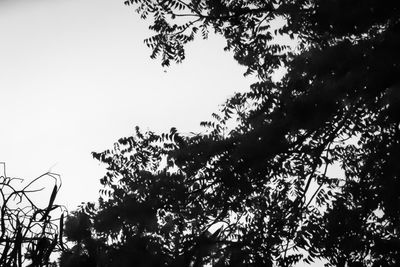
<point>29,234</point>
<point>262,191</point>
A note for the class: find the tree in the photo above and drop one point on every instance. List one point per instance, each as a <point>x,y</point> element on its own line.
<point>29,234</point>
<point>266,183</point>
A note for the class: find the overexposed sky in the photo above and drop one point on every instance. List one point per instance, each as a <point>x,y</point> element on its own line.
<point>75,76</point>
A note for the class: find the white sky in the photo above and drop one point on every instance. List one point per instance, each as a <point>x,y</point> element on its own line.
<point>75,76</point>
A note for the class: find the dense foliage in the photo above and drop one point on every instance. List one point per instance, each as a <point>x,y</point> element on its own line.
<point>29,234</point>
<point>263,191</point>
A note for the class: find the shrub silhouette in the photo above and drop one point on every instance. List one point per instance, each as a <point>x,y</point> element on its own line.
<point>29,234</point>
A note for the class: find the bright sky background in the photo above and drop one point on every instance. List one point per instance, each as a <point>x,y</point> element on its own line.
<point>75,76</point>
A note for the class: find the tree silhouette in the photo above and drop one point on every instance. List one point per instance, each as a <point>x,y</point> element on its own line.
<point>263,192</point>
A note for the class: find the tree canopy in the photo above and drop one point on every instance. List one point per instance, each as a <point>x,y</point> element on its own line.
<point>263,191</point>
